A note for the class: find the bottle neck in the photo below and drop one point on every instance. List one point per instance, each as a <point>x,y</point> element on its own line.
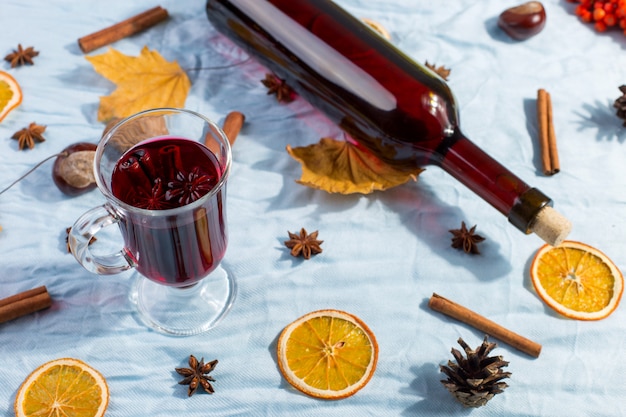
<point>490,180</point>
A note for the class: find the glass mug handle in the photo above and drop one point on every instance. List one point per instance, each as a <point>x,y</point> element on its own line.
<point>81,234</point>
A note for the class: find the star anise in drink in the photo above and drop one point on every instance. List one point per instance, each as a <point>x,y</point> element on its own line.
<point>155,200</point>
<point>304,244</point>
<point>197,375</point>
<point>466,239</point>
<point>21,56</point>
<point>187,188</point>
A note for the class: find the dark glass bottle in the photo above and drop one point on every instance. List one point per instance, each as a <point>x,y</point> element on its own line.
<point>401,111</point>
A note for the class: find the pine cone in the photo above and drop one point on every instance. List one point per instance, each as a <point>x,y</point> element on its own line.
<point>476,379</point>
<point>620,104</point>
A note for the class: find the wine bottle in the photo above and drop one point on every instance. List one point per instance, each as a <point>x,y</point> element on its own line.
<point>401,111</point>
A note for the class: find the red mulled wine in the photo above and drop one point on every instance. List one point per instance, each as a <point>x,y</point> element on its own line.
<point>174,246</point>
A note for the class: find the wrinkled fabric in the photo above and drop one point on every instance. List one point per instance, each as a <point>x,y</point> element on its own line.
<point>384,254</point>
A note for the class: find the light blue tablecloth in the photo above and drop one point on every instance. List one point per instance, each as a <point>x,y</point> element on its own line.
<point>384,254</point>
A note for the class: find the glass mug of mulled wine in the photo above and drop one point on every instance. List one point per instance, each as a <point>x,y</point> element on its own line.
<point>163,174</point>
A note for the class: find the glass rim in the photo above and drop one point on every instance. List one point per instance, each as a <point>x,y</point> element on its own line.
<point>165,212</point>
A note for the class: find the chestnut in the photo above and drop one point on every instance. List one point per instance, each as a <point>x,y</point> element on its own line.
<point>523,21</point>
<point>72,171</point>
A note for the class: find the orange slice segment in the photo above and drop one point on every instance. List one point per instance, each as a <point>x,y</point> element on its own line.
<point>63,387</point>
<point>327,354</point>
<point>10,94</point>
<point>577,280</point>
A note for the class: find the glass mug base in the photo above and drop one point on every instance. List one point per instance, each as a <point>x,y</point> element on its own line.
<point>184,311</point>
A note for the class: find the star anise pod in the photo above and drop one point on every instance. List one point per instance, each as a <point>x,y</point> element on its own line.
<point>304,244</point>
<point>21,56</point>
<point>277,86</point>
<point>466,239</point>
<point>153,200</point>
<point>197,375</point>
<point>27,137</point>
<point>441,70</point>
<point>620,104</point>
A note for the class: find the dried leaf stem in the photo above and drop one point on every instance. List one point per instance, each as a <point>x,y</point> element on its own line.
<point>31,170</point>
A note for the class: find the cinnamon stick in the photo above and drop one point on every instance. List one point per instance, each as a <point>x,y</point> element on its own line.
<point>547,135</point>
<point>232,125</point>
<point>463,314</point>
<point>26,302</point>
<point>554,156</point>
<point>120,30</point>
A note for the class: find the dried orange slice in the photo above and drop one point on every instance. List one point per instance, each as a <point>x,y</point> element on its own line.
<point>380,29</point>
<point>10,94</point>
<point>63,387</point>
<point>577,280</point>
<point>327,354</point>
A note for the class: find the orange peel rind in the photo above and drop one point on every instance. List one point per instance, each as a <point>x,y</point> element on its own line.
<point>377,27</point>
<point>10,94</point>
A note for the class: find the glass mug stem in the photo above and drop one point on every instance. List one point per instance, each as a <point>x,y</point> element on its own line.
<point>81,235</point>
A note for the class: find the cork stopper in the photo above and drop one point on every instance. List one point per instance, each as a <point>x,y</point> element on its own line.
<point>551,226</point>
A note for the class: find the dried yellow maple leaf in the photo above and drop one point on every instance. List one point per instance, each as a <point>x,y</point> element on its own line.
<point>143,82</point>
<point>346,168</point>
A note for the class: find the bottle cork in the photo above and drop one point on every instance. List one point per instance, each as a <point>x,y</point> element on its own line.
<point>551,226</point>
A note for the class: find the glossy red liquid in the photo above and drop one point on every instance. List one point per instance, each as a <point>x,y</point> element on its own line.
<point>399,110</point>
<point>176,247</point>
